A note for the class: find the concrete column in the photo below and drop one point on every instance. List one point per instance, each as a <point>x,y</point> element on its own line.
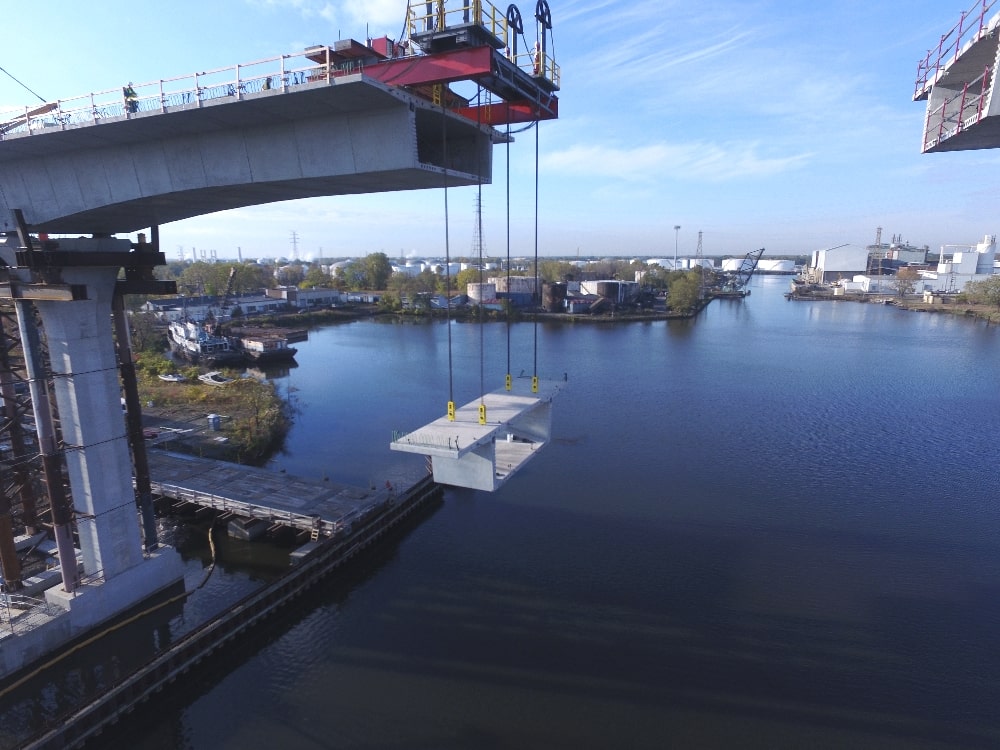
<point>88,397</point>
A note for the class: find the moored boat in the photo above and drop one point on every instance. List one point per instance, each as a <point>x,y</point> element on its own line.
<point>194,343</point>
<point>172,378</point>
<point>265,348</point>
<point>214,378</point>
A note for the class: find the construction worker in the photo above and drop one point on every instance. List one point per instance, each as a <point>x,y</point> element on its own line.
<point>131,99</point>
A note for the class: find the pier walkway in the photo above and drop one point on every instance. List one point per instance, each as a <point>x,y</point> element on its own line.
<point>319,506</point>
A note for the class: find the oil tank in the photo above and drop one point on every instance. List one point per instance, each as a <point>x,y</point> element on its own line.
<point>553,296</point>
<point>480,292</point>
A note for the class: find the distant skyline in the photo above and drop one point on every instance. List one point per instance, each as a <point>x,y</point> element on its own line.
<point>774,124</point>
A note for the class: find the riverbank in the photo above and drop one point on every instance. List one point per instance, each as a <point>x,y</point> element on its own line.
<point>243,421</point>
<point>950,304</point>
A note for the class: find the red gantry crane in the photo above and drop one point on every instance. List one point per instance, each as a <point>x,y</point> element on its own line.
<point>470,40</point>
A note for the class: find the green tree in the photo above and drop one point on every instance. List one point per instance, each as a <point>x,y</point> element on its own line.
<point>290,275</point>
<point>315,277</point>
<point>467,276</point>
<point>377,269</point>
<point>656,277</point>
<point>390,302</point>
<point>354,275</point>
<point>147,336</point>
<point>251,278</point>
<point>684,291</point>
<point>984,291</point>
<point>556,270</point>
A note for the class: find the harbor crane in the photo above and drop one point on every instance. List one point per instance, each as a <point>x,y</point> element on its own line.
<point>735,282</point>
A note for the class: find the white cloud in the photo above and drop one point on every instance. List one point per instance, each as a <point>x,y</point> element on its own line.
<point>377,17</point>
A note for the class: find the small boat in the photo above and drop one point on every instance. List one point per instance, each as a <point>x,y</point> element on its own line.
<point>173,378</point>
<point>214,378</point>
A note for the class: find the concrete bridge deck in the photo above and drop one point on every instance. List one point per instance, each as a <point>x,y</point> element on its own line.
<point>251,134</point>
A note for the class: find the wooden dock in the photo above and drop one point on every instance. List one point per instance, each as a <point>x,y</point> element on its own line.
<point>318,506</point>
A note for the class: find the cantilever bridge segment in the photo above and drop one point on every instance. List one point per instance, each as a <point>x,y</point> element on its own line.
<point>331,120</point>
<point>957,79</point>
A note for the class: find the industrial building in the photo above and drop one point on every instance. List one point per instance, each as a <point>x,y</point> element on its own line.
<point>836,263</point>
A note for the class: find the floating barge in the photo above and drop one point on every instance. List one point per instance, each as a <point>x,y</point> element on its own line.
<point>310,563</point>
<point>319,507</point>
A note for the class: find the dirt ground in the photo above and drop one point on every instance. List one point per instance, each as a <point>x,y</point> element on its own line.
<point>205,420</point>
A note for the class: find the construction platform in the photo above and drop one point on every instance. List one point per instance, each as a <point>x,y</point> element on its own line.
<point>318,506</point>
<point>483,455</point>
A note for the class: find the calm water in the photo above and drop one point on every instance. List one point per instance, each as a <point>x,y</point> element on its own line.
<point>774,526</point>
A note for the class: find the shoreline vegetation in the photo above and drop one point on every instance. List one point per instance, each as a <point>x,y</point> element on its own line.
<point>948,304</point>
<point>253,417</point>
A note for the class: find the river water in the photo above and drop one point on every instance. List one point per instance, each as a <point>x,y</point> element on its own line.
<point>773,526</point>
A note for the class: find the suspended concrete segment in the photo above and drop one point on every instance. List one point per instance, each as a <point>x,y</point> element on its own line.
<point>958,80</point>
<point>74,171</point>
<point>466,453</point>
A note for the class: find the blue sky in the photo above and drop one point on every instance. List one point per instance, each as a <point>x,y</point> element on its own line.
<point>776,124</point>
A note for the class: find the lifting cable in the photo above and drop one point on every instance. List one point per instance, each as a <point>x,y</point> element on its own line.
<point>22,85</point>
<point>536,294</point>
<point>447,252</point>
<point>479,243</point>
<point>508,384</point>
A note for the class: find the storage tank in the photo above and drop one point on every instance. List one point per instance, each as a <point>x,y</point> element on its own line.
<point>553,296</point>
<point>775,265</point>
<point>478,293</point>
<point>731,265</point>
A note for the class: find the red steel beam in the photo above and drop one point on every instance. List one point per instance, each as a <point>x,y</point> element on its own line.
<point>511,112</point>
<point>440,67</point>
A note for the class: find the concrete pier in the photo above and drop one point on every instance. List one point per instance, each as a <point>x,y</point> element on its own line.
<point>115,574</point>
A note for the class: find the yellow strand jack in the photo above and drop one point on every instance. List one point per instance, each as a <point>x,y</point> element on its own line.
<point>483,455</point>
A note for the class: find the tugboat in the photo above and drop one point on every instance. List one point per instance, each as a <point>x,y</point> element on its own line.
<point>194,343</point>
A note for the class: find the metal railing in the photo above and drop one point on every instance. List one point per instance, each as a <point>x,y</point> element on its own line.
<point>18,611</point>
<point>958,112</point>
<point>233,83</point>
<point>169,94</point>
<point>434,15</point>
<point>970,27</point>
<point>424,16</point>
<point>273,515</point>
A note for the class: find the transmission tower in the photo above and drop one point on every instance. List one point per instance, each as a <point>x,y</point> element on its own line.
<point>477,232</point>
<point>701,268</point>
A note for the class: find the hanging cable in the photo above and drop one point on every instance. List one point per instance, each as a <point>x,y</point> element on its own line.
<point>479,242</point>
<point>534,377</point>
<point>23,86</point>
<point>508,381</point>
<point>447,257</point>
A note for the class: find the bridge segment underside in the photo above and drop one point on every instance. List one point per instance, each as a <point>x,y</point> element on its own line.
<point>959,85</point>
<point>126,173</point>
